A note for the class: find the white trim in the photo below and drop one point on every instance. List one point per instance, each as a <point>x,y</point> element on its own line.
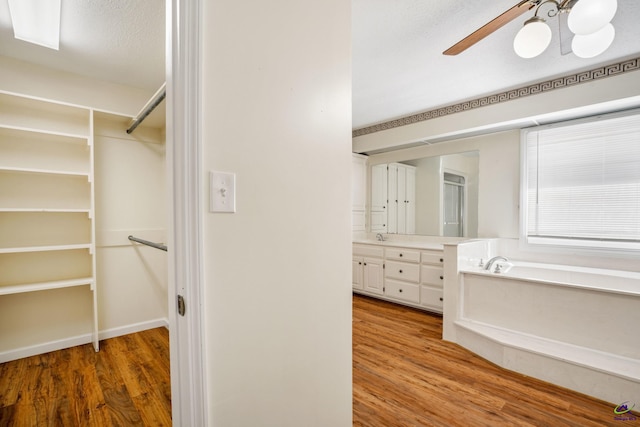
<point>133,328</point>
<point>184,237</point>
<point>61,344</point>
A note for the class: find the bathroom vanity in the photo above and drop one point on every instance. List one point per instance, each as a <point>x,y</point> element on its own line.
<point>409,273</point>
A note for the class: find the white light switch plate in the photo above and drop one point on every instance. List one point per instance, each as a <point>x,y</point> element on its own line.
<point>222,192</point>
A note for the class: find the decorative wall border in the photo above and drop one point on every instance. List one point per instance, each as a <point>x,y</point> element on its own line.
<point>561,82</point>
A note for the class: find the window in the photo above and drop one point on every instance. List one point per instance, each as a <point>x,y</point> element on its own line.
<point>581,183</point>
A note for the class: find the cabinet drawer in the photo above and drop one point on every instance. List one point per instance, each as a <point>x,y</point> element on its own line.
<point>431,297</point>
<point>432,257</point>
<point>402,271</point>
<point>400,254</point>
<point>403,291</point>
<point>432,275</point>
<point>368,250</point>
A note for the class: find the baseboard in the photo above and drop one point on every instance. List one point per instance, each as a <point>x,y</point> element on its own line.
<point>47,347</point>
<point>133,328</point>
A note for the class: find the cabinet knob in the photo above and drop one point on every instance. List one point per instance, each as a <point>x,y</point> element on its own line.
<point>441,260</point>
<point>400,271</point>
<point>400,290</point>
<point>441,277</point>
<point>440,298</point>
<point>365,263</point>
<point>360,263</point>
<point>400,255</point>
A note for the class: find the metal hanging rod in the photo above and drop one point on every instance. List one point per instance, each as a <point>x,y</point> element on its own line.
<point>148,243</point>
<point>147,109</point>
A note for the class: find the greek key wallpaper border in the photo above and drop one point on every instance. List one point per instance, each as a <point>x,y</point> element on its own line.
<point>570,80</point>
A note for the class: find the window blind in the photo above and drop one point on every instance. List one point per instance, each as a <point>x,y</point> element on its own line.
<point>583,181</point>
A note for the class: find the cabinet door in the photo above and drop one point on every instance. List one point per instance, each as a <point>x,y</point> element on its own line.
<point>401,227</point>
<point>379,199</point>
<point>357,272</point>
<point>410,201</point>
<point>358,182</point>
<point>373,275</point>
<point>392,197</point>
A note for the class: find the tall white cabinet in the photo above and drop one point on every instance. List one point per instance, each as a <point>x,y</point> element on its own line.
<point>358,192</point>
<point>47,224</point>
<point>393,198</point>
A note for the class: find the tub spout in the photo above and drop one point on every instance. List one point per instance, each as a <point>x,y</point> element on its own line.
<point>489,263</point>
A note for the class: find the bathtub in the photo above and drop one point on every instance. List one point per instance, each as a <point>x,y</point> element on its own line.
<point>616,281</point>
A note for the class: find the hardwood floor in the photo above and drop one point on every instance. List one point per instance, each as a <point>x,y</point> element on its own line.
<point>405,375</point>
<point>126,383</point>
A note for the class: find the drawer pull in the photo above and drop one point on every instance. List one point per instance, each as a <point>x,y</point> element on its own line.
<point>441,260</point>
<point>365,263</point>
<point>400,271</point>
<point>400,290</point>
<point>400,255</point>
<point>359,263</point>
<point>441,277</point>
<point>440,298</point>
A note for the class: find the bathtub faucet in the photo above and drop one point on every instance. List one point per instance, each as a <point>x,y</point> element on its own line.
<point>489,263</point>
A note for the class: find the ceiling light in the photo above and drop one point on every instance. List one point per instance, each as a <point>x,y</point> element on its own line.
<point>590,45</point>
<point>589,20</point>
<point>36,21</point>
<point>589,16</point>
<point>533,38</point>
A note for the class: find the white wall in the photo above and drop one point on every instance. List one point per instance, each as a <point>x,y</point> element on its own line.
<point>276,111</point>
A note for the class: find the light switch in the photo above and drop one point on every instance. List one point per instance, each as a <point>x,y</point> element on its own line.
<point>222,189</point>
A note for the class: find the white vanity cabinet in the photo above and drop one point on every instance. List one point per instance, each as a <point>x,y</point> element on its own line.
<point>402,274</point>
<point>412,276</point>
<point>368,268</point>
<point>431,280</point>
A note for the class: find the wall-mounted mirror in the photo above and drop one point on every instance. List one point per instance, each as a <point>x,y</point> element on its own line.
<point>430,196</point>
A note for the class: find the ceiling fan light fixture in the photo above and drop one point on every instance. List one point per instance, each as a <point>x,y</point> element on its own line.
<point>590,45</point>
<point>533,38</point>
<point>589,16</point>
<point>36,21</point>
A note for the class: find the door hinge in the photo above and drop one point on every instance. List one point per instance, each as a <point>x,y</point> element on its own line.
<point>181,306</point>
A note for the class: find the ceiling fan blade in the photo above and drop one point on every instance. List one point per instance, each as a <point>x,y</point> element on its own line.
<point>490,27</point>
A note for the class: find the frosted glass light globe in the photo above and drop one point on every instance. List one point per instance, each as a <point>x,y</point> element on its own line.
<point>589,16</point>
<point>532,39</point>
<point>593,44</point>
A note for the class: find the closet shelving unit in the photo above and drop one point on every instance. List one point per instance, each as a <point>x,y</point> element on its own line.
<point>47,224</point>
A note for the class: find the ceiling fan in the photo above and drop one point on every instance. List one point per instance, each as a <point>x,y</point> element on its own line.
<point>589,20</point>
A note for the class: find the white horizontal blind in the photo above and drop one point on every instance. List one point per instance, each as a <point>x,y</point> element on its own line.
<point>583,182</point>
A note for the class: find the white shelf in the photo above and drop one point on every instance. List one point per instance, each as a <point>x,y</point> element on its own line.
<point>45,248</point>
<point>43,171</point>
<point>46,210</point>
<point>43,286</point>
<point>82,136</point>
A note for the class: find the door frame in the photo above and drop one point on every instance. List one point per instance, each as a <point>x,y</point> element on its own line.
<point>188,380</point>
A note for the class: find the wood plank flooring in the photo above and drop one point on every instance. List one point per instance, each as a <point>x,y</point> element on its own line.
<point>405,375</point>
<point>126,383</point>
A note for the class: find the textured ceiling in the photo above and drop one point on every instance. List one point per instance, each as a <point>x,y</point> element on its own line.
<point>120,41</point>
<point>398,66</point>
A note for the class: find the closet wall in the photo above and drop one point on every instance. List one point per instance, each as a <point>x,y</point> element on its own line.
<point>129,186</point>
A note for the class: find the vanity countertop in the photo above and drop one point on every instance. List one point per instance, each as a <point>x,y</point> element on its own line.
<point>401,244</point>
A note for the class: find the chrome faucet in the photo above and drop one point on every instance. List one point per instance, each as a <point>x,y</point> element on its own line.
<point>489,263</point>
<point>379,237</point>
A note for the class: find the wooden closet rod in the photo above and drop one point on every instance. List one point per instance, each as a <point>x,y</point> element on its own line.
<point>148,243</point>
<point>148,108</point>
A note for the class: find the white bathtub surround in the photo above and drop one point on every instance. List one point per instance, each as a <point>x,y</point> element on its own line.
<point>571,326</point>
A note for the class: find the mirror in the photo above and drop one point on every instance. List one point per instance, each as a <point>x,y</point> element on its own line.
<point>430,196</point>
